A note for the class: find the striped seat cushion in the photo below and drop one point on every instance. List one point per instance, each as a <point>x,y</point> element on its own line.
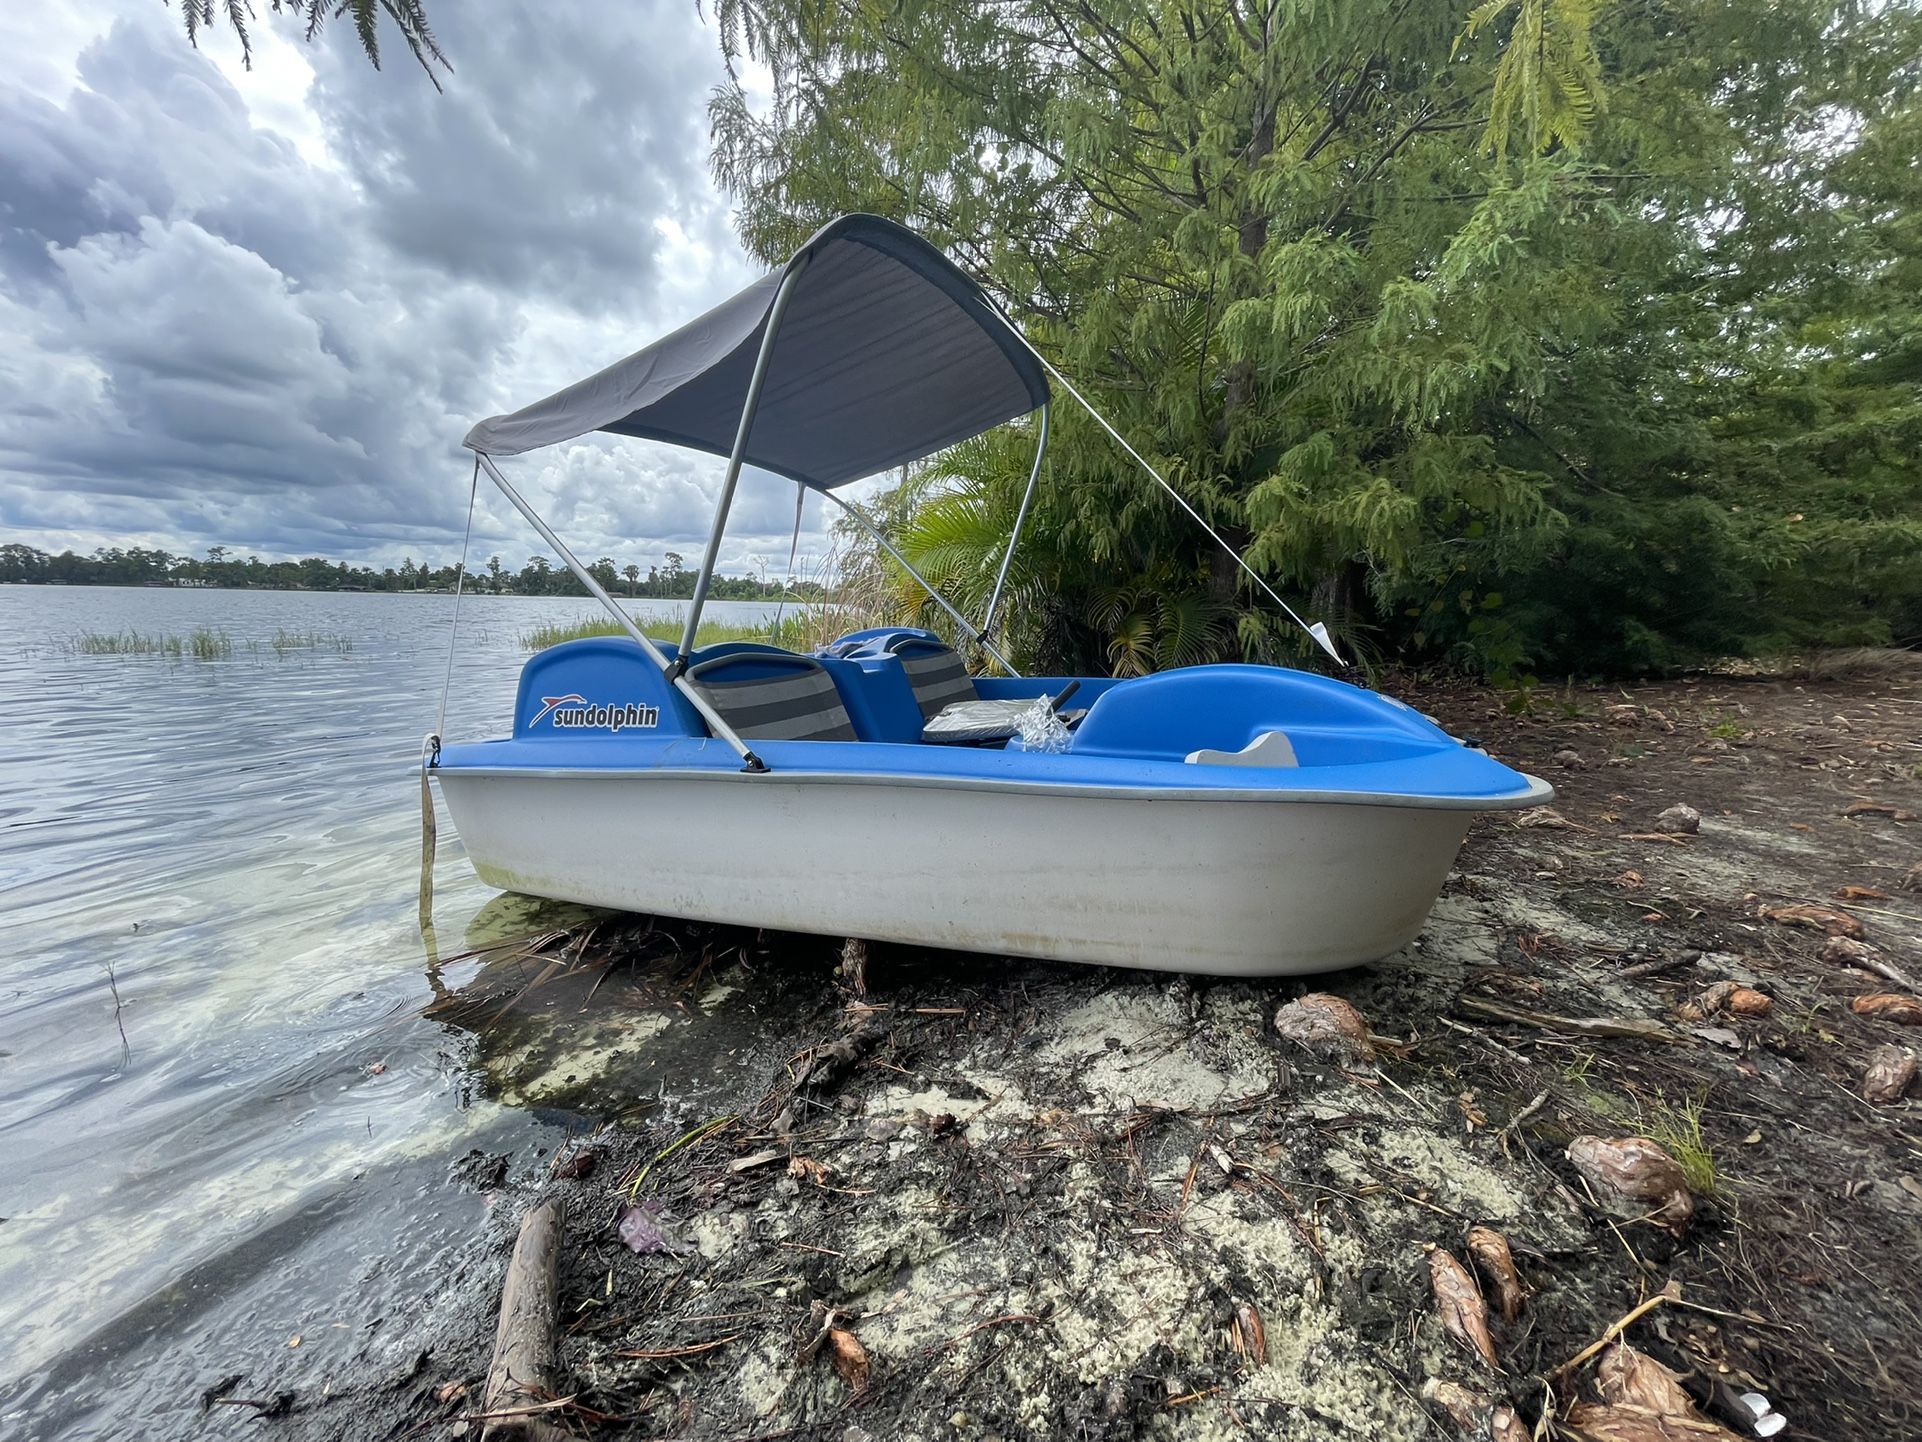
<point>937,676</point>
<point>793,703</point>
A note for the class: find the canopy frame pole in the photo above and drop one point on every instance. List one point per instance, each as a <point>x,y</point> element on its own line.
<point>749,406</point>
<point>1014,536</point>
<point>980,636</point>
<point>686,687</point>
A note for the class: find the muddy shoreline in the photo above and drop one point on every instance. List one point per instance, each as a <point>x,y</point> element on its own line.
<point>991,1199</point>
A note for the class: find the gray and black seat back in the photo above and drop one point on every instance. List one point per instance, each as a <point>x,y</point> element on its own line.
<point>935,672</point>
<point>774,697</point>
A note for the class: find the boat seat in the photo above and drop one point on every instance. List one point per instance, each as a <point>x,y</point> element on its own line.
<point>774,696</point>
<point>937,675</point>
<point>872,642</point>
<point>952,711</point>
<point>736,648</point>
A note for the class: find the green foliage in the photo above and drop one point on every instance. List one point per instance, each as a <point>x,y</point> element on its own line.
<point>1535,336</point>
<point>125,643</point>
<point>1679,1129</point>
<point>408,16</point>
<point>1549,76</point>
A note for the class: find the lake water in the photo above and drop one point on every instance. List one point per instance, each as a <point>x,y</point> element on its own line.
<point>226,1130</point>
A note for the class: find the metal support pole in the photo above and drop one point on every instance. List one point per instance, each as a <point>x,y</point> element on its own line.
<point>1014,538</point>
<point>939,599</point>
<point>748,406</point>
<point>686,687</point>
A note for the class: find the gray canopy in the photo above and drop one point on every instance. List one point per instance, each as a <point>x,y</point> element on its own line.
<point>886,353</point>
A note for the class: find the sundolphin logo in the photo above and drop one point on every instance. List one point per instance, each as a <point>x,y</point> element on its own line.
<point>573,712</point>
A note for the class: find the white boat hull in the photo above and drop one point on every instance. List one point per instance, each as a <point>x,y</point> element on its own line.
<point>1218,886</point>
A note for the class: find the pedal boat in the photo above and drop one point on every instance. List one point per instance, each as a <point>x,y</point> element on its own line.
<point>1227,819</point>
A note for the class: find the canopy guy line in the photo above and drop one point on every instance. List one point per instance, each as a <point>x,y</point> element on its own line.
<point>793,550</point>
<point>1318,632</point>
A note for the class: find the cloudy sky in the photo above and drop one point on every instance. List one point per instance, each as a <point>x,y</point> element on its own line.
<point>260,309</point>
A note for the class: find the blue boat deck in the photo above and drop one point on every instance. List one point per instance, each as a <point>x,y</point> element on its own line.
<point>601,707</point>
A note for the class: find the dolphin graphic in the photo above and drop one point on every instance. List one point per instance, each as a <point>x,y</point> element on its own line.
<point>550,702</point>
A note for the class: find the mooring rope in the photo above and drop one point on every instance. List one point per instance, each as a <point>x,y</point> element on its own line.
<point>430,745</point>
<point>460,578</point>
<point>793,545</point>
<point>429,753</point>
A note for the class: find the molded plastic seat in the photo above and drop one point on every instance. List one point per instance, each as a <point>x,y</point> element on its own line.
<point>775,696</point>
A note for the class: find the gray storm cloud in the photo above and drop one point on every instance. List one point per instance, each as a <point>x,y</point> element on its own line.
<point>261,311</point>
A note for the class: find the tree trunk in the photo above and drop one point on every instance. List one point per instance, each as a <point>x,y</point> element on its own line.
<point>1239,387</point>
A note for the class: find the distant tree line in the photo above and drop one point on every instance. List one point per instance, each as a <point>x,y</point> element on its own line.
<point>540,576</point>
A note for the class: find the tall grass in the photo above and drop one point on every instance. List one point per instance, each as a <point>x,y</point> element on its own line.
<point>122,643</point>
<point>851,605</point>
<point>1679,1129</point>
<point>284,641</point>
<point>801,629</point>
<point>660,626</point>
<point>206,645</point>
<point>201,644</point>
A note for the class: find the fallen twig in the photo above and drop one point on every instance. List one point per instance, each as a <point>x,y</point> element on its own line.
<point>1649,968</point>
<point>663,1354</point>
<point>1514,1123</point>
<point>126,1047</point>
<point>1006,1319</point>
<point>1671,1293</point>
<point>1576,1025</point>
<point>530,1410</point>
<point>829,1316</point>
<point>687,1138</point>
<point>1487,1041</point>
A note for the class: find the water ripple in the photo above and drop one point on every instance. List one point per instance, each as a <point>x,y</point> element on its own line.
<point>217,1097</point>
